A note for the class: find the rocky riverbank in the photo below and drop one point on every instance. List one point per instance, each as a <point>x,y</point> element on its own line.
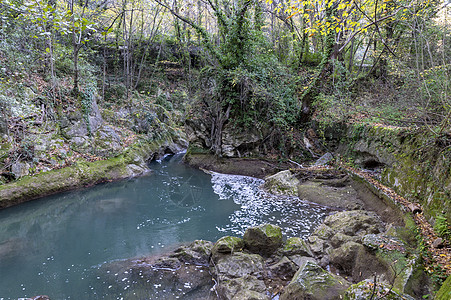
<point>82,148</point>
<point>132,162</point>
<point>350,256</point>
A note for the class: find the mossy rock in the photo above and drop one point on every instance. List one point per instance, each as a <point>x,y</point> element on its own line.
<point>445,291</point>
<point>365,290</point>
<point>282,183</point>
<point>246,287</point>
<point>227,245</point>
<point>296,246</point>
<point>129,164</point>
<point>238,264</point>
<point>314,283</point>
<point>263,239</point>
<point>198,252</point>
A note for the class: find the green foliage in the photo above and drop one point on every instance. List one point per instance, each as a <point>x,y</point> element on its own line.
<point>442,226</point>
<point>331,108</point>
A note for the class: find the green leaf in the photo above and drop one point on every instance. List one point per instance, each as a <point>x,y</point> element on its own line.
<point>47,50</point>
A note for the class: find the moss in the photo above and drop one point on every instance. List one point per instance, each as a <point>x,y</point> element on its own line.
<point>228,244</point>
<point>419,168</point>
<point>445,291</point>
<point>81,173</point>
<point>272,231</point>
<point>407,233</point>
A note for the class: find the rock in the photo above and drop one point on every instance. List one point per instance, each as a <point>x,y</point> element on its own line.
<point>283,269</point>
<point>391,259</point>
<point>80,142</point>
<point>170,276</point>
<point>227,245</point>
<point>337,182</point>
<point>20,169</point>
<point>370,153</point>
<point>197,133</point>
<point>365,290</point>
<point>438,243</point>
<point>137,170</point>
<point>299,260</point>
<point>316,244</point>
<point>345,257</point>
<point>324,160</point>
<point>339,239</point>
<point>198,252</point>
<point>314,283</point>
<point>282,183</point>
<point>107,141</point>
<point>296,246</point>
<point>238,264</point>
<point>246,287</point>
<point>356,222</point>
<point>322,193</point>
<point>77,125</point>
<point>250,295</point>
<point>238,143</point>
<point>263,239</point>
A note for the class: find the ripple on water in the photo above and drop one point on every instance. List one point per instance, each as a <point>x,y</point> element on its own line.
<point>296,217</point>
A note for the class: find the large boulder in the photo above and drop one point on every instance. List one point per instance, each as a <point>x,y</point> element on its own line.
<point>314,283</point>
<point>356,261</point>
<point>403,268</point>
<point>246,287</point>
<point>264,239</point>
<point>354,223</point>
<point>282,183</point>
<point>238,265</point>
<point>343,228</point>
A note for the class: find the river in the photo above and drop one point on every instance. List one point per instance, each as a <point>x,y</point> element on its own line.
<point>56,245</point>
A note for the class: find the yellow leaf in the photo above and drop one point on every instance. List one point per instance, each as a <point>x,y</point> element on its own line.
<point>292,15</point>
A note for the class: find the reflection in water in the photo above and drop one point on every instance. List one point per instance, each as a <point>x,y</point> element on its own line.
<point>55,245</point>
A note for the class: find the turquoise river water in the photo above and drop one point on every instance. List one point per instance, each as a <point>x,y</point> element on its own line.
<point>56,245</point>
